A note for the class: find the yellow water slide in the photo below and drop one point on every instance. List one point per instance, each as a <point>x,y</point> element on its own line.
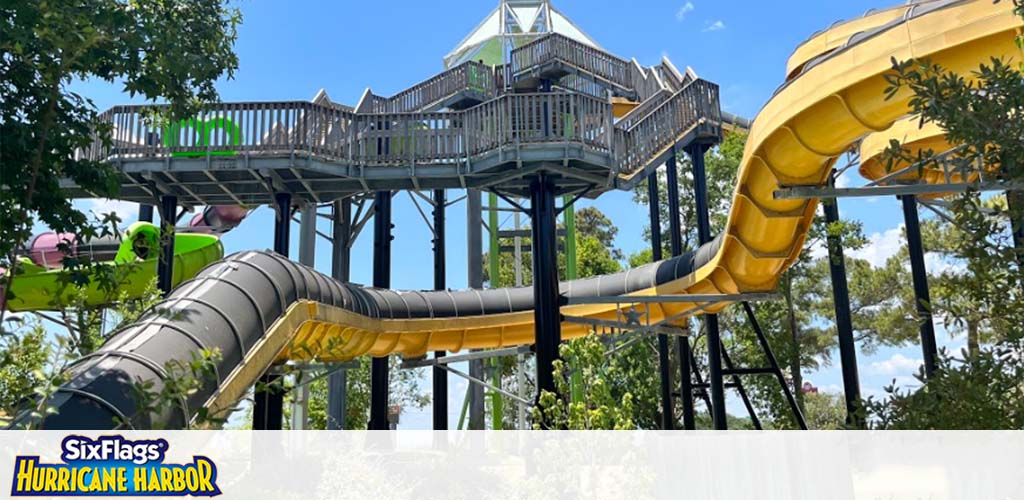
<point>833,99</point>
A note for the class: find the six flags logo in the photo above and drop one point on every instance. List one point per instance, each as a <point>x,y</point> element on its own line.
<point>113,466</point>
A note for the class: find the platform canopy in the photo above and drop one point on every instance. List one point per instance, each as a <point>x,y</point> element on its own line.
<point>512,24</point>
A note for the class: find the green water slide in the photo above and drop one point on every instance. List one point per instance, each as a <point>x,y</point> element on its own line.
<point>36,288</point>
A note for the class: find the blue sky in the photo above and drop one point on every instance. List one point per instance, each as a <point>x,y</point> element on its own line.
<point>290,50</point>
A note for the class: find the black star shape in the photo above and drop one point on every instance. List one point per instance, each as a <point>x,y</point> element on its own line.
<point>633,317</point>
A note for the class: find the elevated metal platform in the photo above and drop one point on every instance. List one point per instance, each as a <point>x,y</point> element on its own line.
<point>497,130</point>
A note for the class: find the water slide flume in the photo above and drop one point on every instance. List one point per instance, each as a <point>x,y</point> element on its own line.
<point>926,142</point>
<point>131,260</point>
<point>258,308</point>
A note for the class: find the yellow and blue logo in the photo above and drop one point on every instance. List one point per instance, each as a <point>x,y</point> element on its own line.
<point>114,466</point>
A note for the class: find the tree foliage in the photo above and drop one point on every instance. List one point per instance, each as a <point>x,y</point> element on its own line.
<point>404,390</point>
<point>172,50</point>
<point>981,391</point>
<point>980,238</point>
<point>600,405</point>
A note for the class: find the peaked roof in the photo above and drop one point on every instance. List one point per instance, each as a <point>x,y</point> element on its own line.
<point>517,22</point>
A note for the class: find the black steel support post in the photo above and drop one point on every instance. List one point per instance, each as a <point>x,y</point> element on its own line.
<point>341,266</point>
<point>145,213</point>
<point>475,280</point>
<point>676,245</point>
<point>715,378</point>
<point>736,381</point>
<point>165,263</point>
<point>268,411</point>
<point>844,322</point>
<point>440,379</point>
<point>920,276</point>
<point>1015,204</point>
<point>774,364</point>
<point>381,279</point>
<point>664,370</point>
<point>546,311</point>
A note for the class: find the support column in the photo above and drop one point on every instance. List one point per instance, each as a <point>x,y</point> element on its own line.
<point>715,379</point>
<point>337,383</point>
<point>145,213</point>
<point>268,411</point>
<point>1015,205</point>
<point>571,273</point>
<point>844,322</point>
<point>165,263</point>
<point>774,363</point>
<point>920,276</point>
<point>381,279</point>
<point>546,312</point>
<point>676,245</point>
<point>494,270</point>
<point>440,375</point>
<point>307,257</point>
<point>664,370</point>
<point>475,274</point>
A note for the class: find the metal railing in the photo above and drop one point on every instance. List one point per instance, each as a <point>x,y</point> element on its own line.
<point>661,127</point>
<point>638,113</point>
<point>470,76</point>
<point>268,128</point>
<point>644,81</point>
<point>274,129</point>
<point>556,47</point>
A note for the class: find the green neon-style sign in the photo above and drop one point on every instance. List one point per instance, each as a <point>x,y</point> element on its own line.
<point>204,130</point>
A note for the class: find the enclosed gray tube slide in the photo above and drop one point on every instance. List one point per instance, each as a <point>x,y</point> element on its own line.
<point>232,303</point>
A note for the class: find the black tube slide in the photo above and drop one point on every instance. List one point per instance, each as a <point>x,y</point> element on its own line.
<point>232,303</point>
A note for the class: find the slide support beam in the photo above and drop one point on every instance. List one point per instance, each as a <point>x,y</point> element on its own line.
<point>1015,204</point>
<point>775,368</point>
<point>145,213</point>
<point>715,377</point>
<point>547,315</point>
<point>268,411</point>
<point>919,273</point>
<point>165,262</point>
<point>381,279</point>
<point>664,370</point>
<point>676,245</point>
<point>307,257</point>
<point>440,375</point>
<point>341,265</point>
<point>844,321</point>
<point>475,275</point>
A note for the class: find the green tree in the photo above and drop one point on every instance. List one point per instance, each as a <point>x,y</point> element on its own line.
<point>824,411</point>
<point>173,50</point>
<point>591,222</point>
<point>34,360</point>
<point>981,237</point>
<point>981,391</point>
<point>599,406</point>
<point>596,252</point>
<point>404,390</point>
<point>23,356</point>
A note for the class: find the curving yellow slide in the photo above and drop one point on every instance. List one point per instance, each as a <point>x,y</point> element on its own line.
<point>815,117</point>
<point>833,99</point>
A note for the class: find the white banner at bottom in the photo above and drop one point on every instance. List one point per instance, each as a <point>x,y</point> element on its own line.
<point>515,465</point>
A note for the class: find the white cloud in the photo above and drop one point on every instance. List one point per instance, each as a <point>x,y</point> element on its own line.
<point>715,26</point>
<point>881,246</point>
<point>683,11</point>
<point>843,181</point>
<point>126,210</point>
<point>818,249</point>
<point>938,264</point>
<point>897,364</point>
